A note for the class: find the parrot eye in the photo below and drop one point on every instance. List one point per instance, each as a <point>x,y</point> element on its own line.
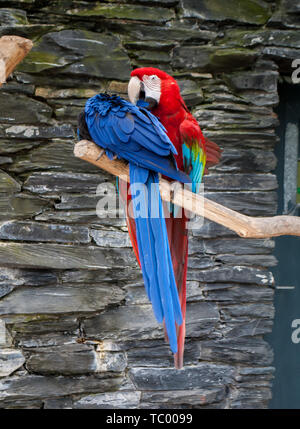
<point>153,77</point>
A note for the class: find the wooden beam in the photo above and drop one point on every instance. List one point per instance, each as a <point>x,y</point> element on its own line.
<point>244,226</point>
<point>12,51</point>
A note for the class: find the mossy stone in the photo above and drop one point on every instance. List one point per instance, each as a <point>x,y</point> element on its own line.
<point>12,17</point>
<point>8,184</point>
<point>192,57</point>
<point>207,58</point>
<point>12,146</point>
<point>274,37</point>
<point>48,92</point>
<point>122,11</point>
<point>152,57</point>
<point>224,59</point>
<point>246,11</point>
<point>176,30</point>
<point>78,52</point>
<point>39,59</point>
<point>20,206</point>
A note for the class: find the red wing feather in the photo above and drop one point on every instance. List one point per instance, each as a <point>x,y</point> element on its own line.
<point>126,199</point>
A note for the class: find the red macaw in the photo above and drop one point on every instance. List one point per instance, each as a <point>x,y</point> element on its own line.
<point>194,154</point>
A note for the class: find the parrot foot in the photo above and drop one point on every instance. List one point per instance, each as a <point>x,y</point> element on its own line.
<point>100,154</point>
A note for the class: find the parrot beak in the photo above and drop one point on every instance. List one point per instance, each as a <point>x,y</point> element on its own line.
<point>134,89</point>
<point>138,90</point>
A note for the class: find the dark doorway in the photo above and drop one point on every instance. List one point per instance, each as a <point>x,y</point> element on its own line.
<point>285,337</point>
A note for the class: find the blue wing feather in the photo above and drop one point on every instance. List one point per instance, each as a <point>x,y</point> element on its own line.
<point>126,126</point>
<point>124,129</point>
<point>155,254</point>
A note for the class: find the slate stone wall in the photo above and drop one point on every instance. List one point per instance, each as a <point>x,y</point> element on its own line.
<point>76,330</point>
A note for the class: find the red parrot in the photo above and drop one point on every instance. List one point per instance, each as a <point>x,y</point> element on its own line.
<point>194,154</point>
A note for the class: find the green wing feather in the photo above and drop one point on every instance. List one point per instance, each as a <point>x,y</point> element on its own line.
<point>193,151</point>
<point>194,160</point>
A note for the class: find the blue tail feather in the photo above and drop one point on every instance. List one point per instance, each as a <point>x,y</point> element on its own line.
<point>154,251</point>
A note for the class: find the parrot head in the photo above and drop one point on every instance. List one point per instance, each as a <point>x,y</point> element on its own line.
<point>155,87</point>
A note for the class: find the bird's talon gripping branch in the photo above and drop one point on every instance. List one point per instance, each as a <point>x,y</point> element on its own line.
<point>100,155</point>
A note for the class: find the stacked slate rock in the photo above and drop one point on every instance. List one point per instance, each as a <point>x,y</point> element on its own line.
<point>76,329</point>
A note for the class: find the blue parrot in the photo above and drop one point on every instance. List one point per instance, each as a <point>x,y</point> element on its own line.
<point>133,133</point>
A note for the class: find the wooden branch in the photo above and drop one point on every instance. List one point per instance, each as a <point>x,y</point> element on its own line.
<point>244,226</point>
<point>12,51</point>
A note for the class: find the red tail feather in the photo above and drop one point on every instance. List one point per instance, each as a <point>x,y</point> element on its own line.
<point>213,153</point>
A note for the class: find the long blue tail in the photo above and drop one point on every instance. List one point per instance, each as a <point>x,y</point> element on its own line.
<point>154,251</point>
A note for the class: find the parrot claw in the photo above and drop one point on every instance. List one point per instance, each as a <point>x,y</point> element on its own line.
<point>100,154</point>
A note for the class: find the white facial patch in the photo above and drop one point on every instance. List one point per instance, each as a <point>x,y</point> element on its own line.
<point>152,87</point>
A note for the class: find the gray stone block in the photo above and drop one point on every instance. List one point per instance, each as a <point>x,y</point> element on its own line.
<point>10,361</point>
<point>110,400</point>
<point>235,274</point>
<point>201,376</point>
<point>29,387</point>
<point>35,112</point>
<point>51,183</point>
<point>243,351</point>
<point>58,256</point>
<point>36,132</point>
<point>43,232</point>
<point>234,182</point>
<point>73,359</point>
<point>54,156</point>
<point>196,398</point>
<point>59,300</point>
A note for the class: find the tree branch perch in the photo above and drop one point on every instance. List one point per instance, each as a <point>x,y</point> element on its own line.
<point>12,51</point>
<point>244,226</point>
